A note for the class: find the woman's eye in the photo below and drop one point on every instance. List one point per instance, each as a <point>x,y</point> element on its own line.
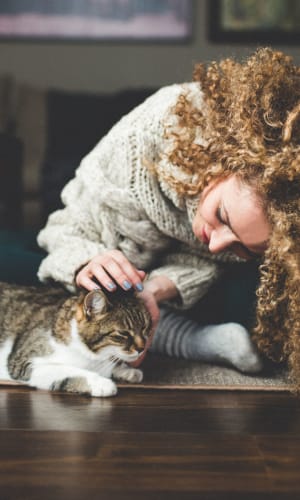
<point>219,216</point>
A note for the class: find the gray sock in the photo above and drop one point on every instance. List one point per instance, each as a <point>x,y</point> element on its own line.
<point>227,343</point>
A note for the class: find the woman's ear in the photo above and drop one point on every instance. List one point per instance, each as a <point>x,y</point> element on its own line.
<point>95,302</point>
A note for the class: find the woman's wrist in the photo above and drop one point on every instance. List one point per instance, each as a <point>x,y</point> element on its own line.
<point>162,288</point>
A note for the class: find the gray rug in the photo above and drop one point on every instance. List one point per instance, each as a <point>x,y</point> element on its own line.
<point>161,372</point>
<point>167,373</point>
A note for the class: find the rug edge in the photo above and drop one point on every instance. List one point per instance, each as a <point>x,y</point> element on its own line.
<point>191,387</point>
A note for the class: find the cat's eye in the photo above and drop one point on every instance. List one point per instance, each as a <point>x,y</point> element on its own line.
<point>120,337</point>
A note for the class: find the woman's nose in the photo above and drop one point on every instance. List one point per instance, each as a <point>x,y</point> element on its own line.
<point>220,240</point>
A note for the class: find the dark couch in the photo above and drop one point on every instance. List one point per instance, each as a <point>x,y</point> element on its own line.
<point>42,141</point>
<point>43,136</point>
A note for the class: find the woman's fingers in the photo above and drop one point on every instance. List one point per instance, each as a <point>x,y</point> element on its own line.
<point>82,280</point>
<point>109,269</point>
<point>120,273</point>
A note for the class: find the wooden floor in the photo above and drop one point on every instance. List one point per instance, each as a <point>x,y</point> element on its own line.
<point>147,444</point>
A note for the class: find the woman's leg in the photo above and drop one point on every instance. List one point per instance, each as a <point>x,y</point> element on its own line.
<point>226,343</point>
<point>231,299</point>
<point>215,330</point>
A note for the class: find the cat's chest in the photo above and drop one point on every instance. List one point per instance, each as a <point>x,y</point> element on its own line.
<point>68,354</point>
<point>75,353</point>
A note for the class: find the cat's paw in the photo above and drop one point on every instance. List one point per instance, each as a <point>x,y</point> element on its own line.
<point>89,385</point>
<point>101,387</point>
<point>125,373</point>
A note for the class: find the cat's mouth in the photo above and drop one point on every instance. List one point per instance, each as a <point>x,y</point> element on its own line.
<point>129,357</point>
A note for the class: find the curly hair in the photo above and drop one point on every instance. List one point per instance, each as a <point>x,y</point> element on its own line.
<point>250,122</point>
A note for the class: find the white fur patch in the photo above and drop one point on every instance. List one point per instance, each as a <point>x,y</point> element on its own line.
<point>5,351</point>
<point>78,355</point>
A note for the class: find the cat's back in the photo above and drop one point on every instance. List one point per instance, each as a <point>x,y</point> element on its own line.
<point>24,307</point>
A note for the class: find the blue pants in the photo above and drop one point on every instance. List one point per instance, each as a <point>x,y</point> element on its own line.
<point>20,257</point>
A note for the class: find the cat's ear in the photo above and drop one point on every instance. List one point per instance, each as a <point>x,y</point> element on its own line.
<point>95,302</point>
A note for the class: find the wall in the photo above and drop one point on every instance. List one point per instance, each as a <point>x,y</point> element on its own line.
<point>106,67</point>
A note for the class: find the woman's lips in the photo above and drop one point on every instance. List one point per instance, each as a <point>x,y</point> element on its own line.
<point>204,236</point>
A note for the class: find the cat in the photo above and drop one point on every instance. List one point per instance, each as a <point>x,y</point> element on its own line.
<point>50,339</point>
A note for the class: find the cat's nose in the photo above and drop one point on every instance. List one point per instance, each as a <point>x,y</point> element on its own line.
<point>139,344</point>
<point>139,349</point>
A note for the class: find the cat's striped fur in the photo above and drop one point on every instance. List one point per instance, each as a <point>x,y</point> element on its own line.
<point>52,340</point>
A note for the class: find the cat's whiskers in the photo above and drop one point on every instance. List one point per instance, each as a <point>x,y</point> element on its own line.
<point>106,364</point>
<point>114,358</point>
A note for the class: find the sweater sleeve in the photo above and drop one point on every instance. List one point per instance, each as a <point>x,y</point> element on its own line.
<point>84,227</point>
<point>191,274</point>
<point>70,236</point>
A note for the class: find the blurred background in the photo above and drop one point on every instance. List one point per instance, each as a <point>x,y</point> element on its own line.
<point>69,69</point>
<point>106,66</point>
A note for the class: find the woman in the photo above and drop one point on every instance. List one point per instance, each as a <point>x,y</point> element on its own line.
<point>198,177</point>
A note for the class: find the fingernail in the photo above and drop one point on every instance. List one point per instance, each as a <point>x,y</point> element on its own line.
<point>139,287</point>
<point>127,285</point>
<point>96,287</point>
<point>111,285</point>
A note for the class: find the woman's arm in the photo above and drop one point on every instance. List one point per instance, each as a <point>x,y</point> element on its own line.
<point>101,211</point>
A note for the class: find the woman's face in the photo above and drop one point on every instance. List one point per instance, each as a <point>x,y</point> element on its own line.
<point>230,216</point>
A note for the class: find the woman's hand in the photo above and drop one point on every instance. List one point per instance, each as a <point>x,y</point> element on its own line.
<point>156,290</point>
<point>152,306</point>
<point>108,269</point>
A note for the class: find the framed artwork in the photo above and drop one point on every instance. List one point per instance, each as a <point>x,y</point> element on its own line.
<point>254,21</point>
<point>96,20</point>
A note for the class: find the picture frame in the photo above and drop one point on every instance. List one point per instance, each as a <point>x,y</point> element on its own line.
<point>96,20</point>
<point>254,21</point>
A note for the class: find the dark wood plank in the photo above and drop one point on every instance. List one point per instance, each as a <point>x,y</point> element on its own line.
<point>281,455</point>
<point>149,444</point>
<point>152,462</point>
<point>204,412</point>
<point>170,462</point>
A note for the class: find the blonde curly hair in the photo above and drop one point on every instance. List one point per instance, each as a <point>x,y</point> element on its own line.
<point>250,120</point>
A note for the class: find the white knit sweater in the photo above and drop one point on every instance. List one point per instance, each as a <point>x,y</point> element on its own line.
<point>114,201</point>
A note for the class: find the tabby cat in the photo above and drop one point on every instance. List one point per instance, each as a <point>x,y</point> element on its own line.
<point>50,339</point>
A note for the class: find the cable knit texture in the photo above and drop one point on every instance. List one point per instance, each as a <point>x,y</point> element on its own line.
<point>114,201</point>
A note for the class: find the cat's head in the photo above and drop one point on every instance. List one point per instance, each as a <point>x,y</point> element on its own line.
<point>115,323</point>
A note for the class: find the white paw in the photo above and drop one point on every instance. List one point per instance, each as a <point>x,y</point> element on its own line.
<point>244,355</point>
<point>128,374</point>
<point>102,387</point>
